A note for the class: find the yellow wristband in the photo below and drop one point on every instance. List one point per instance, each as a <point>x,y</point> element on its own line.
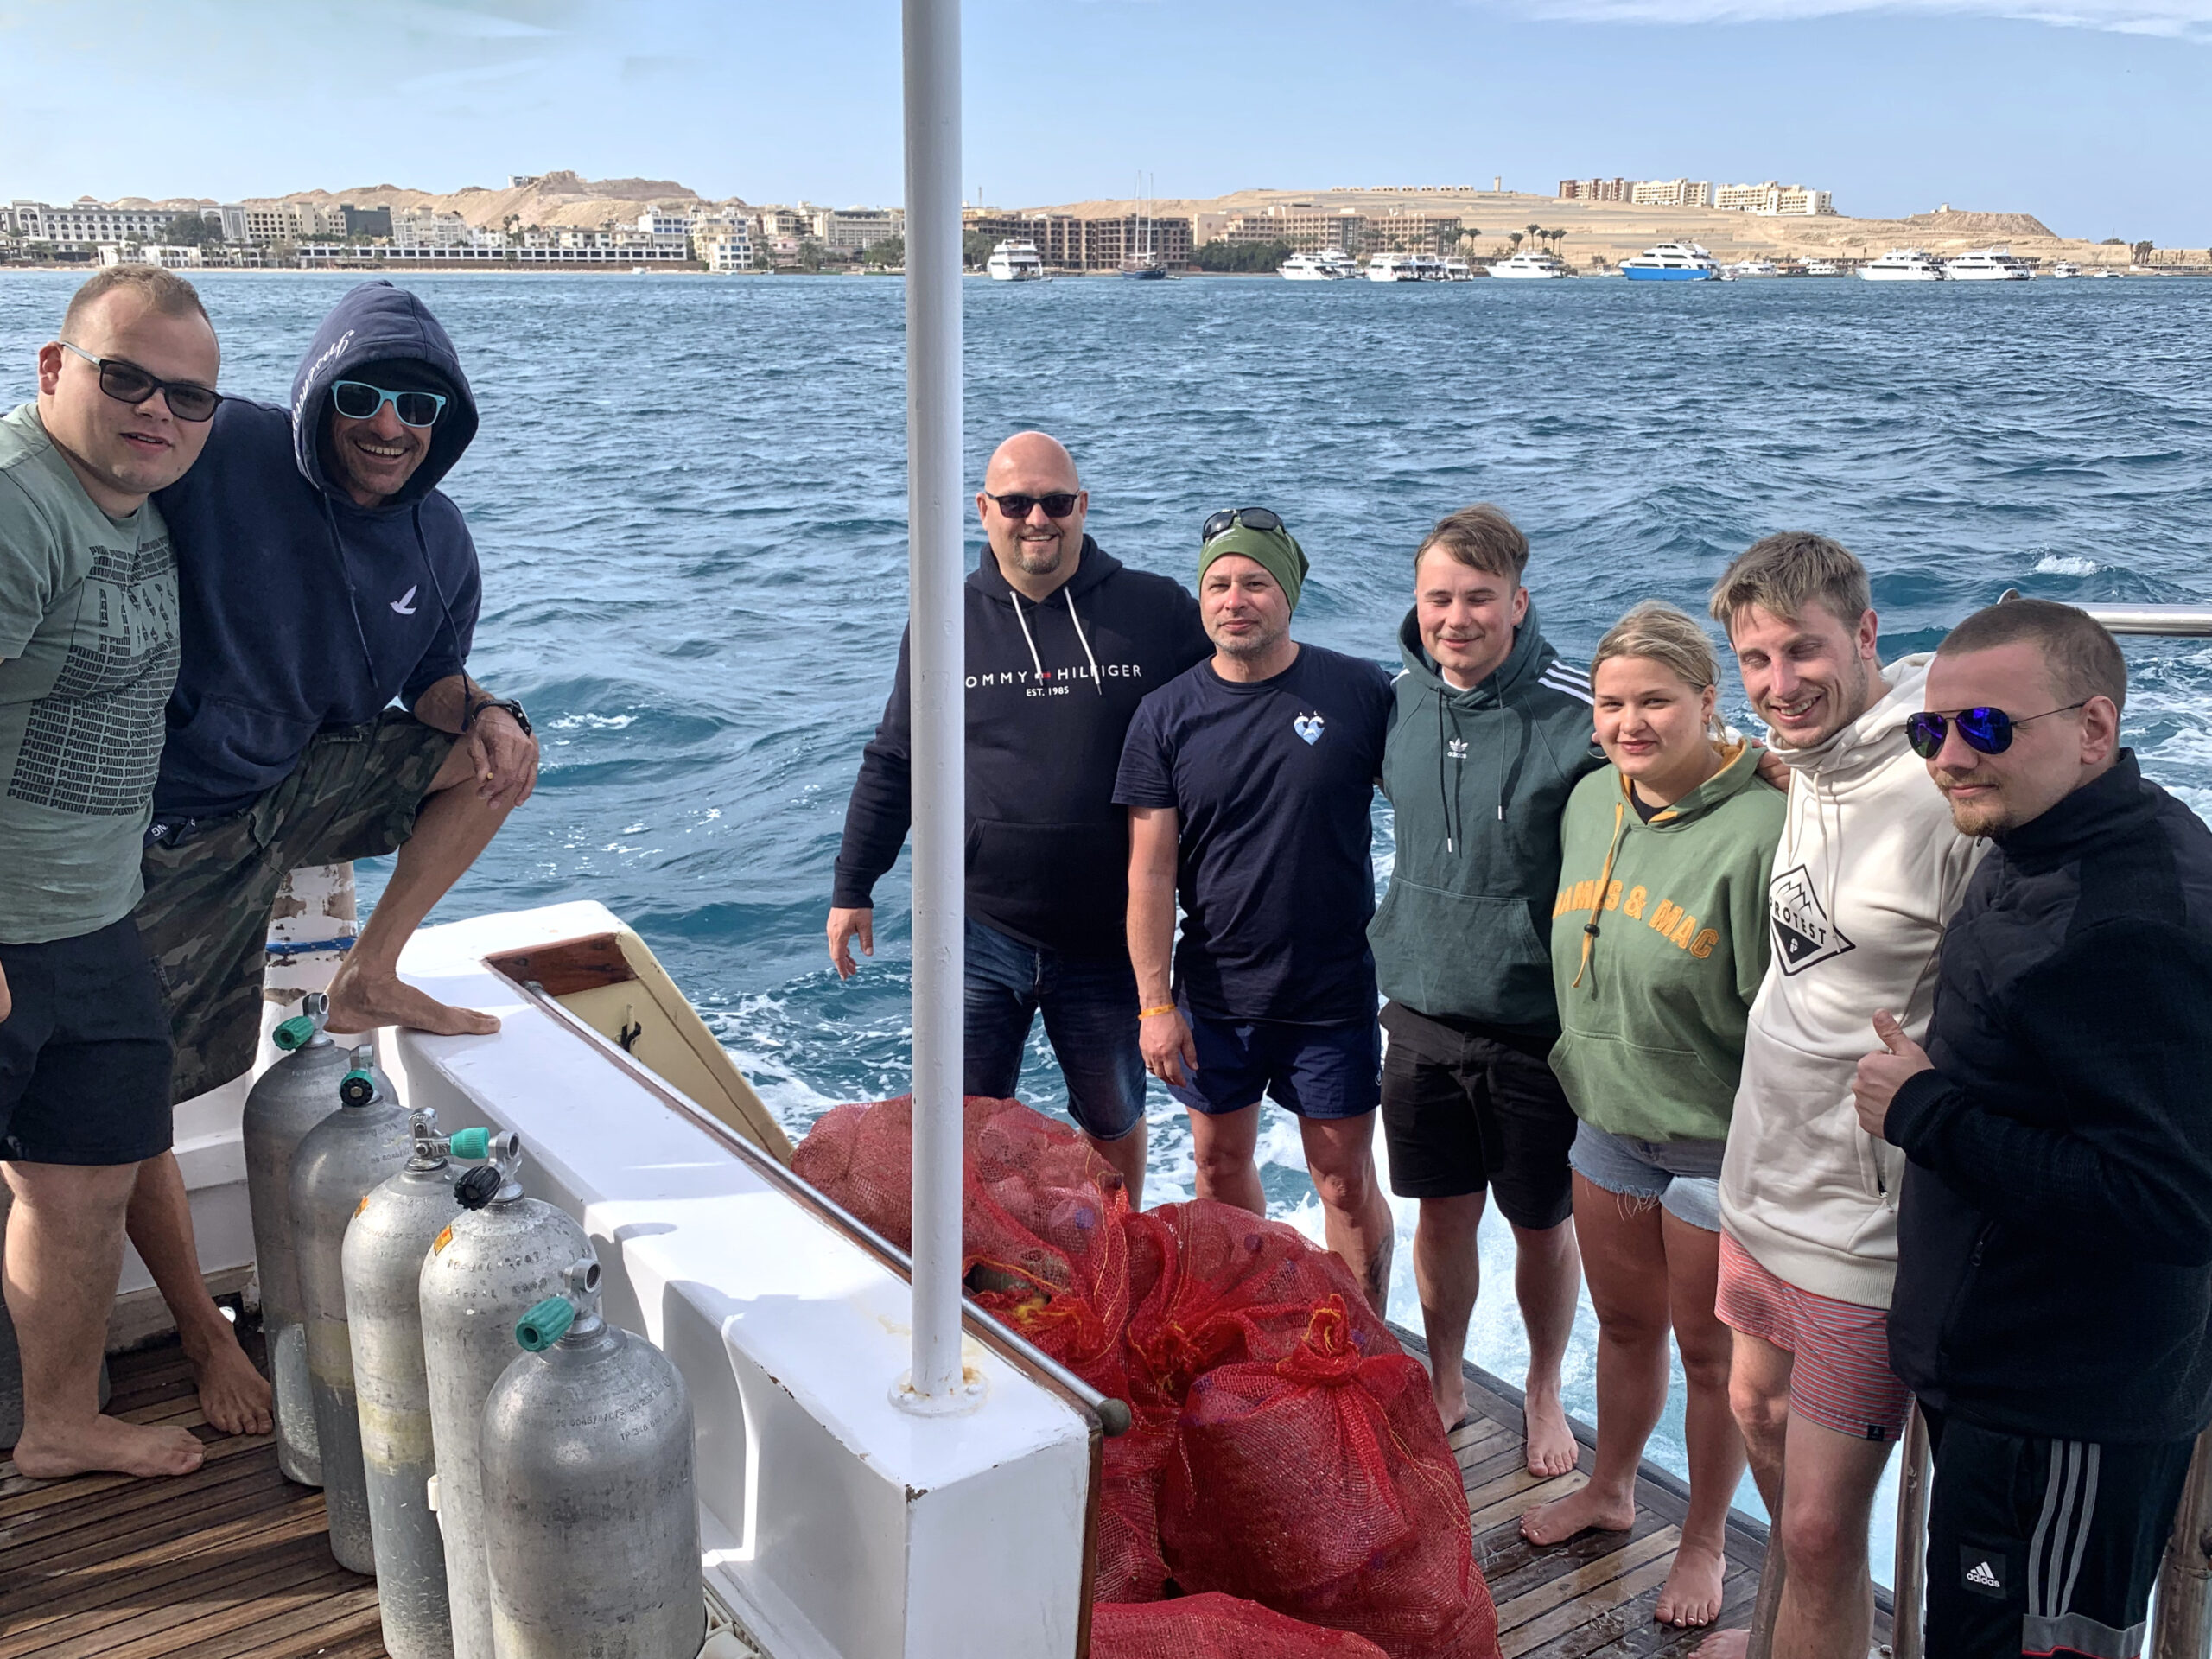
<point>1147,1014</point>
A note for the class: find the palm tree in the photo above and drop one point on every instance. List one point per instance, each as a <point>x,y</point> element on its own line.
<point>1513,236</point>
<point>1558,236</point>
<point>1535,232</point>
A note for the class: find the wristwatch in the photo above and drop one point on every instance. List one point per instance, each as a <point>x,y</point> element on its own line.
<point>513,709</point>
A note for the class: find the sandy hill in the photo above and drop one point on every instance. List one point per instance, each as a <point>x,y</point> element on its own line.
<point>1613,230</point>
<point>553,199</point>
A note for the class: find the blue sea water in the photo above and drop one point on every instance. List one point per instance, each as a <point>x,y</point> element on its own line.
<point>689,495</point>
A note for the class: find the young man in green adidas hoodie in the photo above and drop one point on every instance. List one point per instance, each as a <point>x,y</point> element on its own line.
<point>1490,733</point>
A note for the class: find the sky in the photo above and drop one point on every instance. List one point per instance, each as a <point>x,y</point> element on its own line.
<point>2095,115</point>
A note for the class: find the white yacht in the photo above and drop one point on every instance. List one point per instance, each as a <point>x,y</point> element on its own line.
<point>1016,261</point>
<point>1987,265</point>
<point>1524,267</point>
<point>1902,265</point>
<point>2065,268</point>
<point>1458,271</point>
<point>1307,268</point>
<point>1746,269</point>
<point>1822,268</point>
<point>1671,261</point>
<point>1340,264</point>
<point>1428,269</point>
<point>1392,268</point>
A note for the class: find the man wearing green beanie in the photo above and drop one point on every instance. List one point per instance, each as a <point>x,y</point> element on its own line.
<point>1249,781</point>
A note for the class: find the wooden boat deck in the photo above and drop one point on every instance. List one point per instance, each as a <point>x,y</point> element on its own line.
<point>231,1562</point>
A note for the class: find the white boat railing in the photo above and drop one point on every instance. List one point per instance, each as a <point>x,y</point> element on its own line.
<point>935,1385</point>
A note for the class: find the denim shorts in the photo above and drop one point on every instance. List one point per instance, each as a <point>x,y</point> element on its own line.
<point>1317,1071</point>
<point>1684,1176</point>
<point>1090,1019</point>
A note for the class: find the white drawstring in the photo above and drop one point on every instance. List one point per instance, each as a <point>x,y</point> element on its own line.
<point>1035,662</point>
<point>1098,684</point>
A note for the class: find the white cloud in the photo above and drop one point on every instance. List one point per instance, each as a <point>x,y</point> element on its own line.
<point>2190,20</point>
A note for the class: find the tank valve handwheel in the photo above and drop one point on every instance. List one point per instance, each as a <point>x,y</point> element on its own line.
<point>479,1187</point>
<point>356,1088</point>
<point>545,1323</point>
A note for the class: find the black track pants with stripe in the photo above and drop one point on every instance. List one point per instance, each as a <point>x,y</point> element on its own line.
<point>2041,1547</point>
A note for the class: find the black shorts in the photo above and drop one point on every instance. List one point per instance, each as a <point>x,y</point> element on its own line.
<point>1463,1112</point>
<point>2041,1546</point>
<point>85,1052</point>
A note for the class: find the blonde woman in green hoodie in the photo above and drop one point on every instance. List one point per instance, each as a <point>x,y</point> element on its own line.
<point>1659,942</point>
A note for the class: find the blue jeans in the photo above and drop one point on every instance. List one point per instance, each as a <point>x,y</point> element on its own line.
<point>1090,1017</point>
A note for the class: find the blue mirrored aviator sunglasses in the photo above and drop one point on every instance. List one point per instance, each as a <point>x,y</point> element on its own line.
<point>1986,731</point>
<point>357,400</point>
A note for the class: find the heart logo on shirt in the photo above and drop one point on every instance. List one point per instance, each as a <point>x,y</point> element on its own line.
<point>1308,726</point>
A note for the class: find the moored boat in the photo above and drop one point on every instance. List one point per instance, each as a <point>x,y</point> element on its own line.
<point>1987,265</point>
<point>1902,265</point>
<point>1671,261</point>
<point>1014,262</point>
<point>1530,266</point>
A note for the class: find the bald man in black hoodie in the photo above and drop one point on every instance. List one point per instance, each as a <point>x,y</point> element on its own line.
<point>1062,641</point>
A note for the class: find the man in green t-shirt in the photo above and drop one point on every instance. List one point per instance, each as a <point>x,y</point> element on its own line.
<point>88,651</point>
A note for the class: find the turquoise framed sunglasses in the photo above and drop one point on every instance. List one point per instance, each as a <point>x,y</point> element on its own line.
<point>357,400</point>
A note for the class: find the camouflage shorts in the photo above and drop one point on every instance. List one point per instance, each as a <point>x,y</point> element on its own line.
<point>209,886</point>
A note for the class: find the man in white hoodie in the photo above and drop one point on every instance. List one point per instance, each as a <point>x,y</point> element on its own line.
<point>1868,871</point>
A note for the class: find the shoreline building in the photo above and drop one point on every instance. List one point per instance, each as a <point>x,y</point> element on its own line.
<point>1671,192</point>
<point>1065,242</point>
<point>1304,226</point>
<point>854,230</point>
<point>1593,189</point>
<point>1773,199</point>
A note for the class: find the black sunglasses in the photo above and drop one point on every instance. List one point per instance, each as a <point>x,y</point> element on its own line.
<point>1229,517</point>
<point>357,400</point>
<point>1986,731</point>
<point>1057,505</point>
<point>129,384</point>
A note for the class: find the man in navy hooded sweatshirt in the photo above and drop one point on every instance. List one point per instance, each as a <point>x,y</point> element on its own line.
<point>321,577</point>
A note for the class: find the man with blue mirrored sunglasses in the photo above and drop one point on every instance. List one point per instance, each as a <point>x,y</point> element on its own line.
<point>323,578</point>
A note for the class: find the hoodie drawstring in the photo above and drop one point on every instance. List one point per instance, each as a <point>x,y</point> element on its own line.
<point>1035,661</point>
<point>1453,819</point>
<point>1097,683</point>
<point>1598,900</point>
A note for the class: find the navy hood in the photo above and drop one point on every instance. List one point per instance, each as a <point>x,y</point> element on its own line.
<point>299,611</point>
<point>377,323</point>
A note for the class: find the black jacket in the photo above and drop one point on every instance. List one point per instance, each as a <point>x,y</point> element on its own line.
<point>1051,691</point>
<point>2055,1233</point>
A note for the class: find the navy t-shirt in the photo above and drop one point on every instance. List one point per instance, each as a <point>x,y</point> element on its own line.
<point>1272,784</point>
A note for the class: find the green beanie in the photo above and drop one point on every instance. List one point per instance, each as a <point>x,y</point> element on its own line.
<point>1276,551</point>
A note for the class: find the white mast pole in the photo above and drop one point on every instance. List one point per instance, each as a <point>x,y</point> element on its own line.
<point>937,658</point>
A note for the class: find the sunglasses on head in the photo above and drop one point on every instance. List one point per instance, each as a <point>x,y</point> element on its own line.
<point>1229,519</point>
<point>1986,731</point>
<point>129,384</point>
<point>357,400</point>
<point>1059,503</point>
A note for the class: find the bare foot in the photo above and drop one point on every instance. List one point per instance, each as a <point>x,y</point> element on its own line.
<point>1725,1644</point>
<point>104,1443</point>
<point>1449,1390</point>
<point>233,1396</point>
<point>1690,1600</point>
<point>361,1000</point>
<point>1579,1511</point>
<point>1552,1448</point>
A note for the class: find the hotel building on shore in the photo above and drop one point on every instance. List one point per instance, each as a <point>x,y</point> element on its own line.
<point>1065,242</point>
<point>1671,192</point>
<point>1773,199</point>
<point>1770,198</point>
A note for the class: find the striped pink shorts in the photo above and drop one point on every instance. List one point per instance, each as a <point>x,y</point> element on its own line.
<point>1841,1377</point>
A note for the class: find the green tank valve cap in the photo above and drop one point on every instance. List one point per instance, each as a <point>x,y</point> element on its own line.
<point>294,1033</point>
<point>544,1325</point>
<point>471,1143</point>
<point>356,1088</point>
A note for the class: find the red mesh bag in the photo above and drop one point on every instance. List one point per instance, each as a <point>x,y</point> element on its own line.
<point>1131,1566</point>
<point>1041,1213</point>
<point>1216,1627</point>
<point>1322,1486</point>
<point>1214,1285</point>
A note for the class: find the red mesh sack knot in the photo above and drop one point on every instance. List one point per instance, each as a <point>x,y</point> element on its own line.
<point>1216,1627</point>
<point>1321,1485</point>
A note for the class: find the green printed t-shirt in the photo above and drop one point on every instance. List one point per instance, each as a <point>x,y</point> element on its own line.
<point>88,652</point>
